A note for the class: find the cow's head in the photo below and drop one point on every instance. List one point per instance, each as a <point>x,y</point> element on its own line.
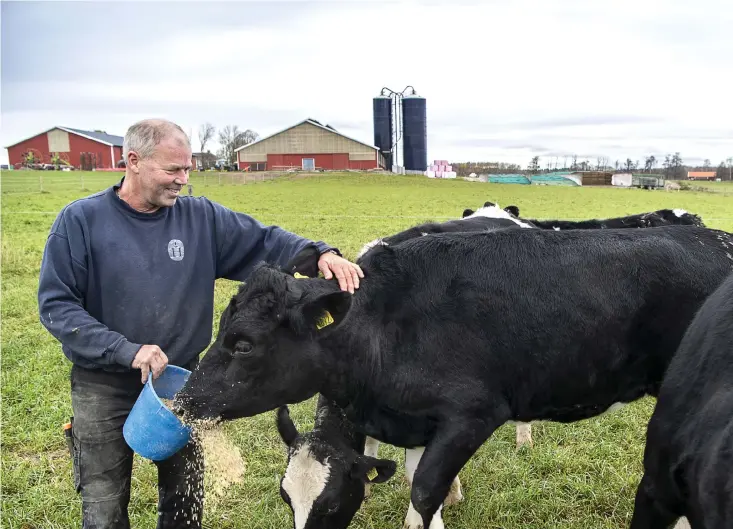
<point>513,210</point>
<point>326,476</point>
<point>680,216</point>
<point>266,352</point>
<point>494,211</point>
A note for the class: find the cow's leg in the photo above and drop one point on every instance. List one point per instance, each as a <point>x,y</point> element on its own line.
<point>649,512</point>
<point>524,434</point>
<point>448,451</point>
<point>371,446</point>
<point>412,458</point>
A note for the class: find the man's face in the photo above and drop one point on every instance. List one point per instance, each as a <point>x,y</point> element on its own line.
<point>163,175</point>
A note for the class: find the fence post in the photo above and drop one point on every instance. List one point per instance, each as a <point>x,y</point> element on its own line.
<point>219,178</point>
<point>82,181</point>
<point>40,180</point>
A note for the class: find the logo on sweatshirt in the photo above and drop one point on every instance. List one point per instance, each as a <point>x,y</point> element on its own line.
<point>175,250</point>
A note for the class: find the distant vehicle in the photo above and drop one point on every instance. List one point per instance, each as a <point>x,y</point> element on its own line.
<point>648,181</point>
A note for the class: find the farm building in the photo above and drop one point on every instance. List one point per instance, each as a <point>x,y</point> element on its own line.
<point>701,175</point>
<point>203,160</point>
<point>83,149</point>
<point>308,145</point>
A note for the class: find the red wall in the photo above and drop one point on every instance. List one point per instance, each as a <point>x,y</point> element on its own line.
<point>323,161</point>
<point>77,145</point>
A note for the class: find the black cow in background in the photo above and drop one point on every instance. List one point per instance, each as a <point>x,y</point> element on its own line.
<point>652,219</point>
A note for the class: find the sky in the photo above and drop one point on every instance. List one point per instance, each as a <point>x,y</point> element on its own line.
<point>504,80</point>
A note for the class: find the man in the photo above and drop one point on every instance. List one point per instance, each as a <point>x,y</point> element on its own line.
<point>127,286</point>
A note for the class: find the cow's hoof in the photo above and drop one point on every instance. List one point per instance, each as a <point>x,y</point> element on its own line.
<point>454,494</point>
<point>414,520</point>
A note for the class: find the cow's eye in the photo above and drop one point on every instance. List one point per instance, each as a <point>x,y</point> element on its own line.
<point>242,347</point>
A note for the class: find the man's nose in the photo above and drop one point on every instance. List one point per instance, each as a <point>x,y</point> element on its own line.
<point>182,177</point>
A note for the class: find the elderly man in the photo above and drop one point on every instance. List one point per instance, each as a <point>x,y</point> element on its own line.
<point>127,286</point>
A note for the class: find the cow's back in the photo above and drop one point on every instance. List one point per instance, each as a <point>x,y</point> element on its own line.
<point>521,309</point>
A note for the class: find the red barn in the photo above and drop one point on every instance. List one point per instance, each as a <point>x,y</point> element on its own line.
<point>308,145</point>
<point>83,149</point>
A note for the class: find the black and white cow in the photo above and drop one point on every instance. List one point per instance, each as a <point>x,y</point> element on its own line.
<point>451,335</point>
<point>688,458</point>
<point>660,217</point>
<point>489,217</point>
<point>328,472</point>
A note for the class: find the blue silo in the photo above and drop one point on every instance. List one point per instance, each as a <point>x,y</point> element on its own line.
<point>414,133</point>
<point>383,128</point>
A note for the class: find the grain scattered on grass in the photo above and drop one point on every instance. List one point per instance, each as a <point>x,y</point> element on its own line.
<point>222,460</point>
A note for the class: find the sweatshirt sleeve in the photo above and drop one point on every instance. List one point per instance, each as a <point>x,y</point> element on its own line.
<point>61,295</point>
<point>242,242</point>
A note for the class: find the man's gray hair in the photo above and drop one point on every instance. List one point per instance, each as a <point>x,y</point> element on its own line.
<point>145,135</point>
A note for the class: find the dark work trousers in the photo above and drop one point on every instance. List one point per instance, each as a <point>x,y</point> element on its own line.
<point>103,460</point>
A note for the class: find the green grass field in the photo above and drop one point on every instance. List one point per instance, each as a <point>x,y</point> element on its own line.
<point>577,476</point>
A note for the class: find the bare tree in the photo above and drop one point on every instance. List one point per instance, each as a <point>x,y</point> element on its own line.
<point>249,136</point>
<point>574,166</point>
<point>206,133</point>
<point>534,165</point>
<point>721,171</point>
<point>231,138</point>
<point>676,164</point>
<point>649,163</point>
<point>629,165</point>
<point>706,164</point>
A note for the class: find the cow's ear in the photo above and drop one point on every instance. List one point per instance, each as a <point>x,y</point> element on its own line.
<point>327,310</point>
<point>285,427</point>
<point>372,470</point>
<point>467,212</point>
<point>514,210</point>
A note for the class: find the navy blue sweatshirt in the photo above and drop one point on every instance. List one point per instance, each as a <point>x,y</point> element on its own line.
<point>113,279</point>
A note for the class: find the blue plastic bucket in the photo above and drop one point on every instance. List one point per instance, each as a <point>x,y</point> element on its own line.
<point>152,430</point>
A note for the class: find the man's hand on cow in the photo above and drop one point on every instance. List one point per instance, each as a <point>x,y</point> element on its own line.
<point>150,358</point>
<point>345,271</point>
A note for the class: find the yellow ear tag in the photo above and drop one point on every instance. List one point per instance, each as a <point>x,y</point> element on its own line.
<point>298,275</point>
<point>372,474</point>
<point>325,320</point>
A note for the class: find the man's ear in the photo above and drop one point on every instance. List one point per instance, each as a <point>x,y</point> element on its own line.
<point>285,427</point>
<point>326,310</point>
<point>372,470</point>
<point>133,162</point>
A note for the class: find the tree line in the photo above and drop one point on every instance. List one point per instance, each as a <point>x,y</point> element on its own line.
<point>229,137</point>
<point>672,166</point>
